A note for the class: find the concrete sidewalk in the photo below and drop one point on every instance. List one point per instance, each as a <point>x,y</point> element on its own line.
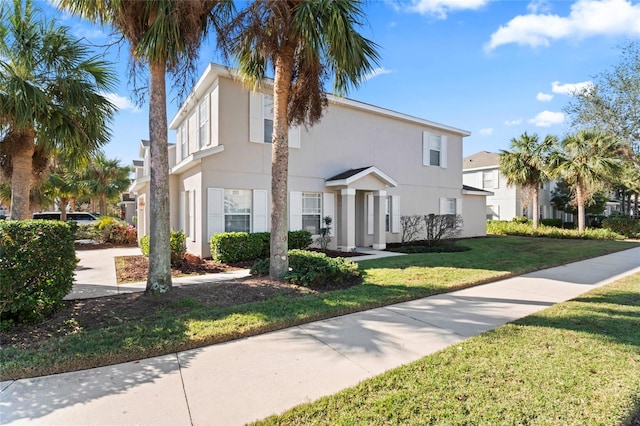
<point>251,378</point>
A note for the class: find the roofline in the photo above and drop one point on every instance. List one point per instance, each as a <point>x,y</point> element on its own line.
<point>213,71</point>
<point>472,169</point>
<point>369,170</point>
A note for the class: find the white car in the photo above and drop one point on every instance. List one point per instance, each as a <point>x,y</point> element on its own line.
<point>79,217</point>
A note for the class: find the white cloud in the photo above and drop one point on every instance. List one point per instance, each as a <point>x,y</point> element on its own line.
<point>513,122</point>
<point>486,132</point>
<point>440,8</point>
<point>587,18</point>
<point>544,97</point>
<point>539,6</point>
<point>547,119</point>
<point>376,72</point>
<point>121,102</point>
<point>570,88</point>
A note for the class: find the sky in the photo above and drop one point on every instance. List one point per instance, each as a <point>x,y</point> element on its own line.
<point>494,68</point>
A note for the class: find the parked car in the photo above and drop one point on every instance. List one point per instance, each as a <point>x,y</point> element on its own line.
<point>79,217</point>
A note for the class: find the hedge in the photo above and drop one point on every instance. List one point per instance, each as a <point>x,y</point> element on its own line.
<point>314,269</point>
<point>627,226</point>
<point>37,263</point>
<point>229,247</point>
<point>178,247</point>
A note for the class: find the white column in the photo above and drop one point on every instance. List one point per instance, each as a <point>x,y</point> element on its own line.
<point>348,226</point>
<point>379,234</point>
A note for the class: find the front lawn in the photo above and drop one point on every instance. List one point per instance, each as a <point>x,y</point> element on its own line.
<point>576,363</point>
<point>120,329</point>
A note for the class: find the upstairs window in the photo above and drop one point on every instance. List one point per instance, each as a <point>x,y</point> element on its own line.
<point>267,116</point>
<point>184,141</point>
<point>203,123</point>
<point>487,180</point>
<point>434,150</point>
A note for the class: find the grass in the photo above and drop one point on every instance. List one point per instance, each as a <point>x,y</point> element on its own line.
<point>576,363</point>
<point>387,281</point>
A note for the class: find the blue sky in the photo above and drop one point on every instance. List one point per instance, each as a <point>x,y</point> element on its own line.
<point>495,68</point>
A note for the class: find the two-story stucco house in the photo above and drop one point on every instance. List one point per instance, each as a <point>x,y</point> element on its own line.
<point>482,170</point>
<point>362,165</point>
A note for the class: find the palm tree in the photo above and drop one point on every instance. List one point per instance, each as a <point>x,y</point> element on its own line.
<point>50,96</point>
<point>305,42</point>
<point>585,161</point>
<point>104,179</point>
<point>164,35</point>
<point>525,166</point>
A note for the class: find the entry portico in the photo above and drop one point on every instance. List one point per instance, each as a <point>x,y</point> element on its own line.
<point>363,209</point>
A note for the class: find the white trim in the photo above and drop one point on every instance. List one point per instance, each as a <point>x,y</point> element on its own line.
<point>370,214</point>
<point>348,191</point>
<point>295,211</point>
<point>369,170</point>
<point>329,209</point>
<point>195,159</point>
<point>215,211</point>
<point>395,214</point>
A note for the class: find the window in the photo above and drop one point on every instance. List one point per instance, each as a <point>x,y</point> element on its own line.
<point>435,146</point>
<point>267,114</point>
<point>449,206</point>
<point>487,180</point>
<point>311,212</point>
<point>492,212</point>
<point>203,134</point>
<point>184,146</point>
<point>387,214</point>
<point>237,210</point>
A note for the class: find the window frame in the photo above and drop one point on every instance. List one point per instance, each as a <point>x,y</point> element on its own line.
<point>247,215</point>
<point>203,131</point>
<point>316,213</point>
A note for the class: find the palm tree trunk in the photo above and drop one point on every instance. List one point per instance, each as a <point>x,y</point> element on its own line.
<point>536,208</point>
<point>635,206</point>
<point>279,263</point>
<point>580,202</point>
<point>102,202</point>
<point>159,276</point>
<point>62,204</point>
<point>21,177</point>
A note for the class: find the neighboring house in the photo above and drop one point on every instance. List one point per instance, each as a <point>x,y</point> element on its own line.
<point>482,170</point>
<point>362,165</point>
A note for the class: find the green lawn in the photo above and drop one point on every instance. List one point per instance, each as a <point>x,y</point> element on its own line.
<point>387,281</point>
<point>577,363</point>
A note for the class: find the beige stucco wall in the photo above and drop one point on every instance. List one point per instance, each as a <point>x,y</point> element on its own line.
<point>473,215</point>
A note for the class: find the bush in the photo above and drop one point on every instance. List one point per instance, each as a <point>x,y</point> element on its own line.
<point>501,227</point>
<point>551,222</point>
<point>314,269</point>
<point>37,262</point>
<point>229,247</point>
<point>426,248</point>
<point>520,219</point>
<point>177,243</point>
<point>87,231</point>
<point>624,225</point>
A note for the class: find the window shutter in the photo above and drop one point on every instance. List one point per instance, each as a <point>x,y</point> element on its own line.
<point>294,137</point>
<point>496,179</point>
<point>259,210</point>
<point>370,217</point>
<point>425,149</point>
<point>192,129</point>
<point>395,214</point>
<point>459,206</point>
<point>329,208</point>
<point>256,124</point>
<point>443,205</point>
<point>183,212</point>
<point>295,211</point>
<point>192,215</point>
<point>443,152</point>
<point>215,211</point>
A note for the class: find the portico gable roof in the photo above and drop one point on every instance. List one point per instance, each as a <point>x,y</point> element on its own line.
<point>350,176</point>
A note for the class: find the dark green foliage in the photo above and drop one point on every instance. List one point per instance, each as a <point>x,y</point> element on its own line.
<point>552,222</point>
<point>229,247</point>
<point>624,225</point>
<point>178,247</point>
<point>427,248</point>
<point>37,260</point>
<point>520,219</point>
<point>314,269</point>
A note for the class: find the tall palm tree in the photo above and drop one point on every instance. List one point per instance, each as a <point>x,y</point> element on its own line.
<point>525,166</point>
<point>585,160</point>
<point>104,179</point>
<point>50,96</point>
<point>164,35</point>
<point>305,43</point>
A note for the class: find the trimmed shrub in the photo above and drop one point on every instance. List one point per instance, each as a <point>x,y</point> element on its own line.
<point>624,225</point>
<point>314,269</point>
<point>520,219</point>
<point>37,263</point>
<point>229,247</point>
<point>501,227</point>
<point>87,231</point>
<point>551,222</point>
<point>177,243</point>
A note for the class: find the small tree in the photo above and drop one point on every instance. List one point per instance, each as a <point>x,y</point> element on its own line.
<point>325,233</point>
<point>411,227</point>
<point>442,227</point>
